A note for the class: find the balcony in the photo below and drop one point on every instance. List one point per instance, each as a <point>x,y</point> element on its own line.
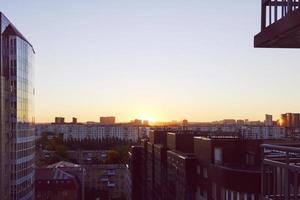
<point>280,172</point>
<point>231,176</point>
<point>280,24</point>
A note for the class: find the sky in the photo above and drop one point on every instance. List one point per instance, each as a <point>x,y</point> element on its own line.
<point>158,60</point>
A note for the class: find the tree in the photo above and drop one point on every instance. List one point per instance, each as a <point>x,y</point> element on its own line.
<point>123,153</point>
<point>59,139</point>
<point>43,140</point>
<point>61,151</point>
<point>113,157</point>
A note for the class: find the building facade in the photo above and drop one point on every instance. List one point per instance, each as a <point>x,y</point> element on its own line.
<point>59,120</point>
<point>224,164</point>
<point>108,120</point>
<point>54,183</point>
<point>268,120</point>
<point>17,118</point>
<point>290,120</point>
<point>187,165</point>
<point>96,131</point>
<point>246,131</point>
<point>110,179</point>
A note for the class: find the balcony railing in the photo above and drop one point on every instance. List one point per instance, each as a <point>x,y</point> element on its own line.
<point>280,172</point>
<point>274,10</point>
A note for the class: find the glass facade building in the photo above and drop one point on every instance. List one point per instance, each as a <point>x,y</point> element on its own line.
<point>17,140</point>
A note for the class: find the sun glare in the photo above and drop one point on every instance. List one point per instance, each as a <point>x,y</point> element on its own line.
<point>148,118</point>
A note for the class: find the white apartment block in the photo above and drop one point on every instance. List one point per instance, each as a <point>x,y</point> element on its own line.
<point>263,132</point>
<point>95,131</point>
<point>246,131</point>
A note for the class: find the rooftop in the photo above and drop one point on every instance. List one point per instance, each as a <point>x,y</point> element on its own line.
<point>54,174</point>
<point>12,30</point>
<point>63,164</point>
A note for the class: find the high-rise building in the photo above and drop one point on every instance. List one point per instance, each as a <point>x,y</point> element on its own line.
<point>146,122</point>
<point>191,166</point>
<point>268,120</point>
<point>59,120</point>
<point>290,120</point>
<point>17,140</point>
<point>137,122</point>
<point>74,120</point>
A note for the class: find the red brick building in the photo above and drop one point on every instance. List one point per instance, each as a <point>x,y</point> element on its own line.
<point>56,184</point>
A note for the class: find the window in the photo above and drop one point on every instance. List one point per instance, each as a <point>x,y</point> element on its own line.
<point>205,174</point>
<point>198,193</point>
<point>249,196</point>
<point>242,196</point>
<point>218,155</point>
<point>223,194</point>
<point>250,158</point>
<point>229,195</point>
<point>201,194</point>
<point>198,169</point>
<point>214,191</point>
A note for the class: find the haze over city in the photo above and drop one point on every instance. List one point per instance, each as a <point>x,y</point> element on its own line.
<point>167,60</point>
<point>149,100</point>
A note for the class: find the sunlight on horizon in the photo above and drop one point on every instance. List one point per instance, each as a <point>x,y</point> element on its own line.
<point>162,62</point>
<point>148,117</point>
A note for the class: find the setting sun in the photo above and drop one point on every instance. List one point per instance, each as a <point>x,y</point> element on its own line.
<point>148,118</point>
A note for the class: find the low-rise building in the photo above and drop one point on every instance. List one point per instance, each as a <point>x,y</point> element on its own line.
<point>55,183</point>
<point>74,169</point>
<point>94,180</point>
<point>111,178</point>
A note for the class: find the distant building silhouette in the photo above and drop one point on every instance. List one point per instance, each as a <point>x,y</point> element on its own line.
<point>74,120</point>
<point>290,120</point>
<point>268,120</point>
<point>59,120</point>
<point>107,120</point>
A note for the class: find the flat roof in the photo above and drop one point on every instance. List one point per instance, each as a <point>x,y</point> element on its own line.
<point>182,154</point>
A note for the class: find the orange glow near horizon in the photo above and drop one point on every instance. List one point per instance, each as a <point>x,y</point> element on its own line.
<point>147,117</point>
<point>281,122</point>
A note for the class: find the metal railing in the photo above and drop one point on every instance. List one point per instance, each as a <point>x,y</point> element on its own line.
<point>280,172</point>
<point>274,10</point>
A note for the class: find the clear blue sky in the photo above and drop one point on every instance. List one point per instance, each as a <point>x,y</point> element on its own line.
<point>163,60</point>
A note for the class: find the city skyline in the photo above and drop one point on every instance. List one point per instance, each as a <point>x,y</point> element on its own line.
<point>153,121</point>
<point>164,61</point>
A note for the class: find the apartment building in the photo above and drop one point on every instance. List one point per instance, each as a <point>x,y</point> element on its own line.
<point>54,183</point>
<point>196,166</point>
<point>95,131</point>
